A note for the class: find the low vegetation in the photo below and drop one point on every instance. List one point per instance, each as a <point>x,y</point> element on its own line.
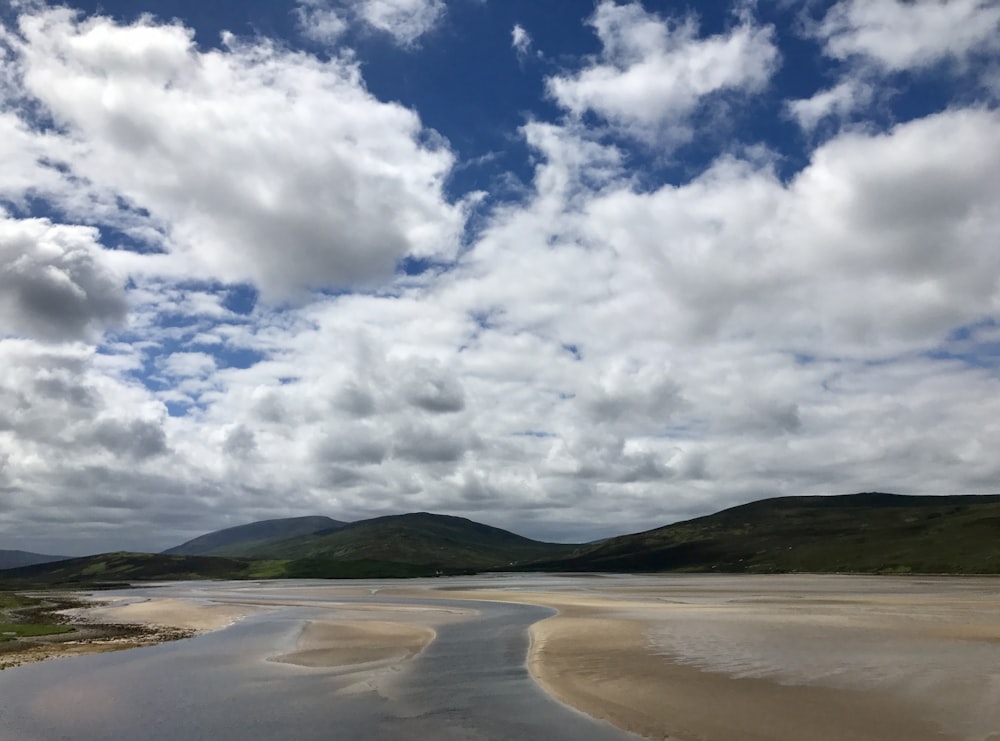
<point>862,533</point>
<point>12,631</point>
<point>29,617</point>
<point>870,533</point>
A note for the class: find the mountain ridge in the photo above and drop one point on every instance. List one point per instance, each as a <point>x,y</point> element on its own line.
<point>230,541</point>
<point>14,559</point>
<point>869,532</point>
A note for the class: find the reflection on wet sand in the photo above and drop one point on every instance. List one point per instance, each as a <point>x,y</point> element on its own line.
<point>680,657</point>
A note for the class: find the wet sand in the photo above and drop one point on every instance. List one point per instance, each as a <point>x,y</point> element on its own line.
<point>353,643</point>
<point>773,658</point>
<point>172,613</point>
<point>605,668</point>
<point>780,658</point>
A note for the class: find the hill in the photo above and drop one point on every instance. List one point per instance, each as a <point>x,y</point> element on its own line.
<point>860,533</point>
<point>13,559</point>
<point>120,568</point>
<point>420,538</point>
<point>123,567</point>
<point>234,542</point>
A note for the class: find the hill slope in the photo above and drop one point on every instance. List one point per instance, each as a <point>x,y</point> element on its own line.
<point>233,542</point>
<point>419,538</point>
<point>865,533</point>
<point>124,567</point>
<point>14,559</point>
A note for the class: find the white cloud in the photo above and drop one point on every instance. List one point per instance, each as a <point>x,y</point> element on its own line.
<point>319,22</point>
<point>652,72</point>
<point>520,41</point>
<point>878,244</point>
<point>899,35</point>
<point>839,102</point>
<point>608,354</point>
<point>188,364</point>
<point>322,186</point>
<point>405,20</point>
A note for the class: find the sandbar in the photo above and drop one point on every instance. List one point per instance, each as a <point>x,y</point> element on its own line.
<point>174,613</point>
<point>708,659</point>
<point>357,642</point>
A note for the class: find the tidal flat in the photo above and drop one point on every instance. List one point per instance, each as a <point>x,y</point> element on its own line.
<point>588,657</point>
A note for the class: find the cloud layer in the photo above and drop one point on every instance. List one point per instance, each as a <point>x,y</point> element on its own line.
<point>235,283</point>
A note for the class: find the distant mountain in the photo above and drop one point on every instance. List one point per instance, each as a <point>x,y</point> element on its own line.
<point>862,533</point>
<point>235,542</point>
<point>858,533</point>
<point>13,559</point>
<point>419,538</point>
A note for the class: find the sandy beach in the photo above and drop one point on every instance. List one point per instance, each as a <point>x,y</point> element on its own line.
<point>779,658</point>
<point>895,660</point>
<point>173,613</point>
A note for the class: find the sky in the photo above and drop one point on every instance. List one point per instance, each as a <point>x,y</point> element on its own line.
<point>569,268</point>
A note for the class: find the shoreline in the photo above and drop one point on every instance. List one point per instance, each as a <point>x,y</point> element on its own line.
<point>599,655</point>
<point>100,626</point>
<point>89,635</point>
<point>670,660</point>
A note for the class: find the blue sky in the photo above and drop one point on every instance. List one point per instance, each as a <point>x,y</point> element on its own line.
<point>569,268</point>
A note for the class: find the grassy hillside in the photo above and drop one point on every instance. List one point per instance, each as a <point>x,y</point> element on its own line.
<point>234,542</point>
<point>860,533</point>
<point>14,559</point>
<point>864,533</point>
<point>420,538</point>
<point>123,568</point>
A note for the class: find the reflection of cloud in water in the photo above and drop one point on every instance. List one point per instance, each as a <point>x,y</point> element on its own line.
<point>856,648</point>
<point>68,704</point>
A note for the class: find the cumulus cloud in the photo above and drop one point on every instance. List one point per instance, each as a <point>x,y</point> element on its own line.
<point>899,35</point>
<point>432,390</point>
<point>894,228</point>
<point>55,281</point>
<point>323,185</point>
<point>613,350</point>
<point>653,72</point>
<point>838,102</point>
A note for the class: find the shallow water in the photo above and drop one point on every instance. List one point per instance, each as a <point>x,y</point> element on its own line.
<point>470,683</point>
<point>932,641</point>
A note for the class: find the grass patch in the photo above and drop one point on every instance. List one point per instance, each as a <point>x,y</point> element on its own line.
<point>12,601</point>
<point>10,631</point>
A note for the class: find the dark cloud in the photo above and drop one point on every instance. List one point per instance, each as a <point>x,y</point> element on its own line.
<point>352,445</point>
<point>428,445</point>
<point>356,400</point>
<point>240,443</point>
<point>138,438</point>
<point>439,394</point>
<point>53,284</point>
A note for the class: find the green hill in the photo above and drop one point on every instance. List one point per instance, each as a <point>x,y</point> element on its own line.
<point>419,538</point>
<point>858,533</point>
<point>861,533</point>
<point>235,542</point>
<point>124,568</point>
